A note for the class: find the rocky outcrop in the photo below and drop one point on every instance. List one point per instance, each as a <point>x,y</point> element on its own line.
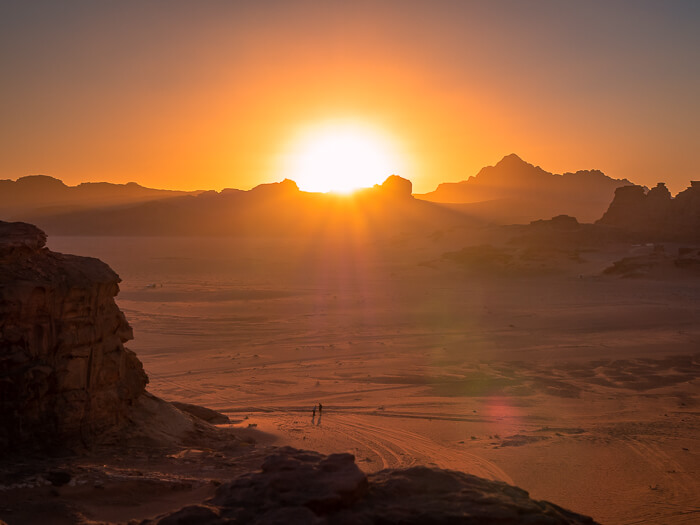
<point>301,487</point>
<point>397,186</point>
<point>203,413</point>
<point>558,223</point>
<point>286,187</point>
<point>656,213</point>
<point>655,262</point>
<point>65,375</point>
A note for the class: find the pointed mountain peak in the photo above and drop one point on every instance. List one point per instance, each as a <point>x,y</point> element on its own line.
<point>510,168</point>
<point>512,160</point>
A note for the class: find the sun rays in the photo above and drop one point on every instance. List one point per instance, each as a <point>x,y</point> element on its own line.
<point>340,157</point>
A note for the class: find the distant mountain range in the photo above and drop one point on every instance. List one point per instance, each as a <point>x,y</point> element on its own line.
<point>38,195</point>
<point>277,209</point>
<point>514,191</point>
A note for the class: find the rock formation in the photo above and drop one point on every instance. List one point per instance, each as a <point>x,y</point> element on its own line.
<point>276,209</point>
<point>65,375</point>
<point>272,189</point>
<point>397,186</point>
<point>655,213</point>
<point>301,487</point>
<point>655,262</point>
<point>558,223</point>
<point>36,195</point>
<point>514,191</point>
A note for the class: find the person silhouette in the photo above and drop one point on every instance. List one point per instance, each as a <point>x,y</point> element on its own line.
<point>313,414</point>
<point>320,409</point>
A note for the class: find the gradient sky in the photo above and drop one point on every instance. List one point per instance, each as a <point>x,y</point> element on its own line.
<point>207,95</point>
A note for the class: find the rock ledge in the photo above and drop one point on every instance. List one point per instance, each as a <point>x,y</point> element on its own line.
<point>302,487</point>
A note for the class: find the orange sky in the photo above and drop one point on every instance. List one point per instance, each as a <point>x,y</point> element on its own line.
<point>206,95</point>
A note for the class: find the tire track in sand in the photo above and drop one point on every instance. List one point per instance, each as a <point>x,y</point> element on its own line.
<point>404,448</point>
<point>675,487</point>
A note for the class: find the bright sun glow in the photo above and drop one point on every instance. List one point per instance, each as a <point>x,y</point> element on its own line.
<point>340,158</point>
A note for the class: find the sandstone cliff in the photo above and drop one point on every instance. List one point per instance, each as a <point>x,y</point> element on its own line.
<point>65,375</point>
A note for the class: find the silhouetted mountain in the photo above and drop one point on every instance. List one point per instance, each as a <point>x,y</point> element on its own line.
<point>514,191</point>
<point>269,209</point>
<point>37,195</point>
<point>655,213</point>
<point>397,186</point>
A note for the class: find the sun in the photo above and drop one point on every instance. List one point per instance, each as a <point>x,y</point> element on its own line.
<point>340,158</point>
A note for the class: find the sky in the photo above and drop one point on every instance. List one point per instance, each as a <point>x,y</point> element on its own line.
<point>214,94</point>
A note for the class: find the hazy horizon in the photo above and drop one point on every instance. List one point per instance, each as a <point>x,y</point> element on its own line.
<point>221,95</point>
<point>275,181</point>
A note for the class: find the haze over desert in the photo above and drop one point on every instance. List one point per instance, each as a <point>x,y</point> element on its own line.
<point>333,263</point>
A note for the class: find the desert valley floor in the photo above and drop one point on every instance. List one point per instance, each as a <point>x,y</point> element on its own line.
<point>582,388</point>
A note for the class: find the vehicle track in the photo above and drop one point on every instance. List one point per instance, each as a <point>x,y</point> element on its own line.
<point>404,448</point>
<point>676,487</point>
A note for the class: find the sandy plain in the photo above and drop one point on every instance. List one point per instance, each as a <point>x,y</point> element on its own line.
<point>581,388</point>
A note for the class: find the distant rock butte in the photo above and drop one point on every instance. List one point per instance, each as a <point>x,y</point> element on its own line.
<point>656,213</point>
<point>65,375</point>
<point>287,186</point>
<point>302,487</point>
<point>397,186</point>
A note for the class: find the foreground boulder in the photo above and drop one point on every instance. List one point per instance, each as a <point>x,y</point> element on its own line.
<point>65,375</point>
<point>302,487</point>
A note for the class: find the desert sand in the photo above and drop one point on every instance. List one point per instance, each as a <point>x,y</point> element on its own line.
<point>582,388</point>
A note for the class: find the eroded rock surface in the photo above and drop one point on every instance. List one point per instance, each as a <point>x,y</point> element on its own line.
<point>65,375</point>
<point>295,487</point>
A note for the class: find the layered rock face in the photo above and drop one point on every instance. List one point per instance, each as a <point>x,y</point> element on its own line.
<point>656,212</point>
<point>65,375</point>
<point>302,487</point>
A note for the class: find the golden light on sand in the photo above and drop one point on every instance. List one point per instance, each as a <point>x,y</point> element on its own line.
<point>340,158</point>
